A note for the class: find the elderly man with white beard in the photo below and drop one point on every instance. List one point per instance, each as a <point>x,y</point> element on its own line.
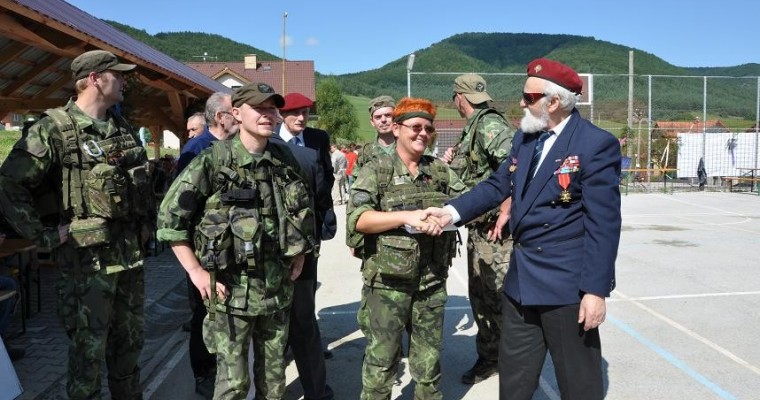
<point>563,176</point>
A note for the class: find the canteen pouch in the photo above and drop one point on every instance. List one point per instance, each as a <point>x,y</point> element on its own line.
<point>108,192</point>
<point>89,232</point>
<point>398,257</point>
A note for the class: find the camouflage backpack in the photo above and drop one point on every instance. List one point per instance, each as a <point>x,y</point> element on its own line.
<point>464,163</point>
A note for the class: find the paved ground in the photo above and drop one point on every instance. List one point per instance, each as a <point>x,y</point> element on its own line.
<point>682,323</point>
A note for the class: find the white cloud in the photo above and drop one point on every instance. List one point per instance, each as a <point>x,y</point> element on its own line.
<point>312,41</point>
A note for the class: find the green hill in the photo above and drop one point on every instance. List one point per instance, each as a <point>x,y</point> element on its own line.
<point>496,55</point>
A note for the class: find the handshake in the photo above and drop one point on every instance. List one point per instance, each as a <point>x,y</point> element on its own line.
<point>430,221</point>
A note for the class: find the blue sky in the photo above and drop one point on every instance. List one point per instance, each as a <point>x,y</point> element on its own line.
<point>354,36</point>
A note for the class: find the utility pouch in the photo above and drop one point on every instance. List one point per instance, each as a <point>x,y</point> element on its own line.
<point>143,201</point>
<point>89,232</point>
<point>297,230</point>
<point>107,188</point>
<point>246,232</point>
<point>212,240</point>
<point>398,257</point>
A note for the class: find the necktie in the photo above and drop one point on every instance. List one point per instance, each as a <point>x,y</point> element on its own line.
<point>537,156</point>
<point>296,141</point>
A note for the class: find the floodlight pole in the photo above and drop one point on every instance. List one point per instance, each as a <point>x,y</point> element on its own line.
<point>284,44</point>
<point>409,68</point>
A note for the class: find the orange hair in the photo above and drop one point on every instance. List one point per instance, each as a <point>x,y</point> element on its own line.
<point>410,107</point>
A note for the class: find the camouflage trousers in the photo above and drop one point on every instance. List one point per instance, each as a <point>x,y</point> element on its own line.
<point>229,337</point>
<point>383,317</point>
<point>487,264</point>
<point>104,318</point>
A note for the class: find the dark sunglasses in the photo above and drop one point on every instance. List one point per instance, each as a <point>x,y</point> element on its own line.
<point>530,98</point>
<point>417,128</point>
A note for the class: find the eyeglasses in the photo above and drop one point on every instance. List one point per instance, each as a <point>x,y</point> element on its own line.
<point>454,97</point>
<point>226,112</point>
<point>530,98</point>
<point>417,128</point>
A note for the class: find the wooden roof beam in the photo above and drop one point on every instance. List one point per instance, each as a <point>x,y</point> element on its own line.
<point>27,76</point>
<point>12,51</point>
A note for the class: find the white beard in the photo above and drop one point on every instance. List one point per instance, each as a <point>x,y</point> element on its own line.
<point>532,124</point>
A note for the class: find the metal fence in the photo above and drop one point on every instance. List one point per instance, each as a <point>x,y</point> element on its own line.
<point>667,124</point>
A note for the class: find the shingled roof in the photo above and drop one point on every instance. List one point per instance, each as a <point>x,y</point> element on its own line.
<point>299,75</point>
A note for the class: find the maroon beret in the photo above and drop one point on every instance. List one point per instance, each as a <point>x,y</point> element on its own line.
<point>294,101</point>
<point>556,72</point>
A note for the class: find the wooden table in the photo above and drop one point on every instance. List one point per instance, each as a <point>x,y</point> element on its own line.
<point>24,248</point>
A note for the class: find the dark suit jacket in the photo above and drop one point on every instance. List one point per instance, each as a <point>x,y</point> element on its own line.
<point>561,249</point>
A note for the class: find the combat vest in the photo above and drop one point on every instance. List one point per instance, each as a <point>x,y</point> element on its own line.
<point>105,181</point>
<point>398,256</point>
<point>255,215</point>
<point>466,161</point>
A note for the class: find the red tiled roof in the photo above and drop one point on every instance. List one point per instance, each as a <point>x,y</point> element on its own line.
<point>299,75</point>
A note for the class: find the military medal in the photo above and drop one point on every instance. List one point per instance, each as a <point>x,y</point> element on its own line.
<point>513,166</point>
<point>570,165</point>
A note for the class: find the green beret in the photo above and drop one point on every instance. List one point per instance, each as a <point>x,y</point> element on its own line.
<point>254,94</point>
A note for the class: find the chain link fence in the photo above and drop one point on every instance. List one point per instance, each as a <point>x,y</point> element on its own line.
<point>685,132</point>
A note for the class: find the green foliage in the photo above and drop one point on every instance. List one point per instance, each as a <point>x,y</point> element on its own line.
<point>191,46</point>
<point>7,140</point>
<point>336,114</point>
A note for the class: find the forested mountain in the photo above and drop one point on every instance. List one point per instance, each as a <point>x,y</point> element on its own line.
<point>190,46</point>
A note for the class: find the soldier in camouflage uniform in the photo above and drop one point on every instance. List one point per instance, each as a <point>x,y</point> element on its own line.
<point>239,218</point>
<point>404,273</point>
<point>73,183</point>
<point>381,118</point>
<point>483,145</point>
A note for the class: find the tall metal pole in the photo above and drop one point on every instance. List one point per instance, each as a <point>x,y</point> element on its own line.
<point>284,44</point>
<point>649,128</point>
<point>630,101</point>
<point>409,68</point>
<point>704,119</point>
<point>757,122</point>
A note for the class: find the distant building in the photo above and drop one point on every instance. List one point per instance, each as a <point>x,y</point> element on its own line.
<point>299,75</point>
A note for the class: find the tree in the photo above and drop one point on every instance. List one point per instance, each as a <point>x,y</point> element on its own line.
<point>336,114</point>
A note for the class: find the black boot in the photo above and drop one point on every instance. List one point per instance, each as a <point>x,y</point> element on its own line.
<point>482,370</point>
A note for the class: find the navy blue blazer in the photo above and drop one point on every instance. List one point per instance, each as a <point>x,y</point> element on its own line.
<point>562,249</point>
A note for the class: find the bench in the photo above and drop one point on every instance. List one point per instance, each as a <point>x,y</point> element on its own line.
<point>730,181</point>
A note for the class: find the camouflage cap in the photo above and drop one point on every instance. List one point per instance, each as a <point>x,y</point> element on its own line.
<point>380,102</point>
<point>254,94</point>
<point>473,87</point>
<point>97,61</point>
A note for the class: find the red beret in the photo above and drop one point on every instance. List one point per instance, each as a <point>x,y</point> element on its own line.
<point>556,72</point>
<point>294,101</point>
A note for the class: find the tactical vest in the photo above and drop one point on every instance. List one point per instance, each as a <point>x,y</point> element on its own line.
<point>465,162</point>
<point>398,255</point>
<point>255,214</point>
<point>104,180</point>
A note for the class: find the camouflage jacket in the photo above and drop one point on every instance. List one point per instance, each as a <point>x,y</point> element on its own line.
<point>369,152</point>
<point>256,272</point>
<point>397,259</point>
<point>34,198</point>
<point>483,145</point>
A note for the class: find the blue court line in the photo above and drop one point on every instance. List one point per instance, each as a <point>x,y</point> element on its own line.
<point>672,359</point>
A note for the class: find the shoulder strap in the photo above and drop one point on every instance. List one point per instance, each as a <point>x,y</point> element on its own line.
<point>71,156</point>
<point>384,171</point>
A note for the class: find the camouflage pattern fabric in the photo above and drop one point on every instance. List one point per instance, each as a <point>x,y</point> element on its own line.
<point>101,289</point>
<point>383,317</point>
<point>229,337</point>
<point>484,144</point>
<point>404,278</point>
<point>259,286</point>
<point>103,315</point>
<point>369,152</point>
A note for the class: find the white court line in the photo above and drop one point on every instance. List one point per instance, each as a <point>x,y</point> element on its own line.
<point>692,334</point>
<point>167,369</point>
<point>682,296</point>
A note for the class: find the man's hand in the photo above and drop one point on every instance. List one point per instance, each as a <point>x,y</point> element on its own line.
<point>495,231</point>
<point>440,215</point>
<point>202,280</point>
<point>448,156</point>
<point>425,223</point>
<point>592,311</point>
<point>296,266</point>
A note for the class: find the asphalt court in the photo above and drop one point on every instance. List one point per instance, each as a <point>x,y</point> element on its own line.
<point>682,323</point>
